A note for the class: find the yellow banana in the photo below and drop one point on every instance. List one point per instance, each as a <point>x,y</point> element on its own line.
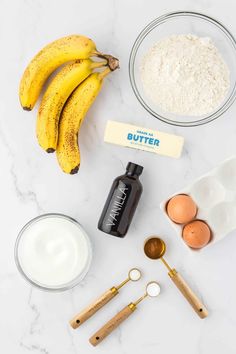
<point>47,60</point>
<point>73,114</point>
<point>58,91</point>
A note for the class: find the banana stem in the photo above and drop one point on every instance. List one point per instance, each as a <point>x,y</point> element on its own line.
<point>96,54</point>
<point>98,64</point>
<point>104,73</point>
<point>112,62</point>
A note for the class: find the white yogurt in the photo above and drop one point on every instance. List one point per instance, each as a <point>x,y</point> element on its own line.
<point>53,251</point>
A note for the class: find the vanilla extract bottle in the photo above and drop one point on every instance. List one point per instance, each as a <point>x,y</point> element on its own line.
<point>122,202</point>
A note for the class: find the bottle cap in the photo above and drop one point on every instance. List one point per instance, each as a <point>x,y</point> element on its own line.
<point>134,169</point>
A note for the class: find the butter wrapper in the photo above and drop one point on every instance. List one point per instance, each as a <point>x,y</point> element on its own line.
<point>143,139</point>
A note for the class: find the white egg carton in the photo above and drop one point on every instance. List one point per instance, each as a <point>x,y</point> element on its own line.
<point>215,196</point>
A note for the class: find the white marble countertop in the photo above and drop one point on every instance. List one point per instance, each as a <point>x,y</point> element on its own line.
<point>33,321</point>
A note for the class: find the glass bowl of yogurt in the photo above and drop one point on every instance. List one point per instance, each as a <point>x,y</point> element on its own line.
<point>53,252</point>
<point>182,68</point>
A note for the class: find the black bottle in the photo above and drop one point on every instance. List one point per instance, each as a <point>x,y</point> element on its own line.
<point>121,202</point>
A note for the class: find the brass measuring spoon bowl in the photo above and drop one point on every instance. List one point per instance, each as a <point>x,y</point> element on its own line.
<point>134,274</point>
<point>155,248</point>
<point>153,289</point>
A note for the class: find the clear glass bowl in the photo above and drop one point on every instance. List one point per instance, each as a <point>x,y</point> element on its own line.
<point>62,287</point>
<point>183,23</point>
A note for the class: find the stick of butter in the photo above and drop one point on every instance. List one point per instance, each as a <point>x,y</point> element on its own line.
<point>143,139</point>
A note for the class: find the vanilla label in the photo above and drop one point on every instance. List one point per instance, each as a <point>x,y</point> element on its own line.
<point>116,208</point>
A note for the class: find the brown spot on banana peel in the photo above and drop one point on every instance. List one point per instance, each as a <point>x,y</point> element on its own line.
<point>50,150</point>
<point>74,170</point>
<point>27,108</point>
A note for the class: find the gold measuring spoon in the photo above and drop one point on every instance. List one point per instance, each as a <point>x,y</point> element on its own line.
<point>152,289</point>
<point>133,275</point>
<point>155,248</point>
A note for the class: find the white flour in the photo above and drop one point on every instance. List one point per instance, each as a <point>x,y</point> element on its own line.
<point>185,74</point>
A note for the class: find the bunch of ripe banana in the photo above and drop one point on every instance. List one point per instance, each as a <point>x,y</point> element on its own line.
<point>68,95</point>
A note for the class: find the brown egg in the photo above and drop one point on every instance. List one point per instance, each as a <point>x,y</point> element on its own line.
<point>181,209</point>
<point>196,234</point>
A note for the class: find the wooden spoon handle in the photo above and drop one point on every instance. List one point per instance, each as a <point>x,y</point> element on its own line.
<point>188,293</point>
<point>112,324</point>
<point>93,308</point>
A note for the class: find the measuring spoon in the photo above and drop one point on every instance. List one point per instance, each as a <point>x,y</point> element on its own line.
<point>133,275</point>
<point>152,289</point>
<point>155,248</point>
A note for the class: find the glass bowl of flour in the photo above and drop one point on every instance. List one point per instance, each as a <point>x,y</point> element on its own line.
<point>53,252</point>
<point>182,68</point>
